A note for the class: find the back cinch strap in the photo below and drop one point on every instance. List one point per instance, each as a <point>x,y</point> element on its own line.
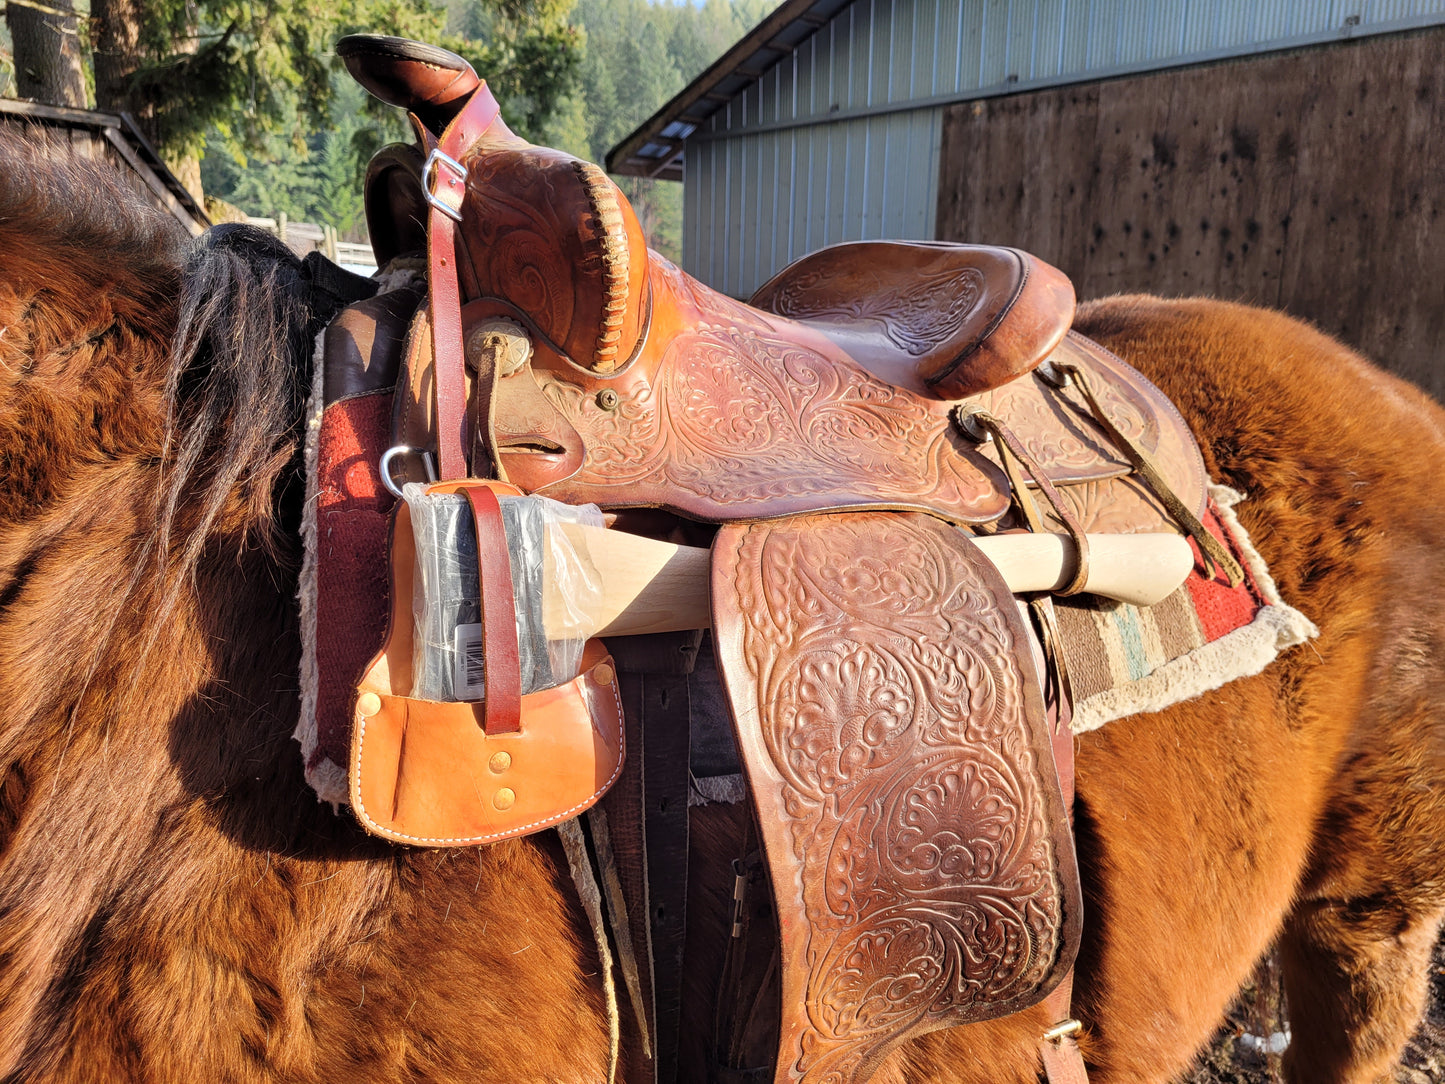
<point>444,180</point>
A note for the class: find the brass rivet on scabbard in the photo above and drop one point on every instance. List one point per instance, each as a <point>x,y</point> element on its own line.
<point>368,704</point>
<point>602,674</point>
<point>607,399</point>
<point>504,798</point>
<point>500,762</point>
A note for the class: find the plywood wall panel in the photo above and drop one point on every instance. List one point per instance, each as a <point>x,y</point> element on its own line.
<point>1309,181</point>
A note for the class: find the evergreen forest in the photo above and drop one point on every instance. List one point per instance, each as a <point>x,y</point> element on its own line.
<point>247,102</point>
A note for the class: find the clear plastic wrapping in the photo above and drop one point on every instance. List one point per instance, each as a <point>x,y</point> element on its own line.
<point>447,661</point>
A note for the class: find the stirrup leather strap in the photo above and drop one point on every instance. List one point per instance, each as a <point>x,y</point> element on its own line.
<point>445,182</point>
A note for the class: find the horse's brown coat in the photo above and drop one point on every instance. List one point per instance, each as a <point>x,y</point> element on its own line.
<point>175,906</point>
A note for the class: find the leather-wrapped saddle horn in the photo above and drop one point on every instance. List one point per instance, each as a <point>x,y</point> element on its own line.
<point>433,83</point>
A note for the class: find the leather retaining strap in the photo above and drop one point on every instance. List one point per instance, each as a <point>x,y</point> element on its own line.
<point>501,662</point>
<point>1058,1048</point>
<point>445,180</point>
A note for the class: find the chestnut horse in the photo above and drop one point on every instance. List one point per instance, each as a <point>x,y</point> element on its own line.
<point>176,906</point>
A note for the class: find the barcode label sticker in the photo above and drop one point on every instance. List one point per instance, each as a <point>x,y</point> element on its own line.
<point>467,662</point>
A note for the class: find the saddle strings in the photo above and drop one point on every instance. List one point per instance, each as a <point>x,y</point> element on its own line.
<point>970,419</point>
<point>1217,557</point>
<point>1058,687</point>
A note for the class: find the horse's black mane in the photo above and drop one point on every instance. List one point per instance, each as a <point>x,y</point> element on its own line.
<point>238,361</point>
<point>240,369</point>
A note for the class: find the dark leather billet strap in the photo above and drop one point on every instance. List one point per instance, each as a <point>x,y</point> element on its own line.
<point>653,676</point>
<point>893,731</point>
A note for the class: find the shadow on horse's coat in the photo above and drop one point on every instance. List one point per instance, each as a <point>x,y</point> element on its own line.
<point>175,905</point>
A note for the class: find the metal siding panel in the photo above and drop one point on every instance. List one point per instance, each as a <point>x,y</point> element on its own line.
<point>896,144</point>
<point>791,203</point>
<point>923,67</point>
<point>855,211</point>
<point>853,94</point>
<point>838,63</point>
<point>880,180</point>
<point>738,180</point>
<point>710,221</point>
<point>732,209</point>
<point>932,174</point>
<point>1017,39</point>
<point>690,176</point>
<point>922,167</point>
<point>1074,46</point>
<point>717,229</point>
<point>803,194</point>
<point>787,88</point>
<point>1049,29</point>
<point>779,208</point>
<point>893,59</point>
<point>765,198</point>
<point>833,198</point>
<point>804,74</point>
<point>945,62</point>
<point>768,96</point>
<point>993,45</point>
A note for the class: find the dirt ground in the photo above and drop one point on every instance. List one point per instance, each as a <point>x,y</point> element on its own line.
<point>1234,1059</point>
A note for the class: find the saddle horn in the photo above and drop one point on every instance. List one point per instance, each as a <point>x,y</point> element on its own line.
<point>430,82</point>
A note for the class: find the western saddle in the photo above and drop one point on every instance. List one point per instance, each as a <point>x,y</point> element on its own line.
<point>838,439</point>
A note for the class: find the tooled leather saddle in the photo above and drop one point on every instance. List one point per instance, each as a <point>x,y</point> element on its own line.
<point>837,439</point>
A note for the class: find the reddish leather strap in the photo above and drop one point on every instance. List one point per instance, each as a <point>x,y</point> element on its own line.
<point>502,668</point>
<point>447,188</point>
<point>1063,1061</point>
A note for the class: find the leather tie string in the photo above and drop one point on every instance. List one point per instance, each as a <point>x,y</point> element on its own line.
<point>971,420</point>
<point>1217,558</point>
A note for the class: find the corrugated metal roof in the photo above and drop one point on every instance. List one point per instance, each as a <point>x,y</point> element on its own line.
<point>861,58</point>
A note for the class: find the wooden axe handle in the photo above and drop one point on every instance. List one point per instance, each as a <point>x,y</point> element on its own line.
<point>652,586</point>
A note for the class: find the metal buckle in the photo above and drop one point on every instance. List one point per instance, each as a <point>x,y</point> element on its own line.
<point>437,158</point>
<point>1063,1030</point>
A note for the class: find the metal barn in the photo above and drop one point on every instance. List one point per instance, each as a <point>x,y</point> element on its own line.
<point>1077,129</point>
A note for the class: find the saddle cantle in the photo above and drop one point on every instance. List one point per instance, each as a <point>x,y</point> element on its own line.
<point>888,710</point>
<point>960,320</point>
